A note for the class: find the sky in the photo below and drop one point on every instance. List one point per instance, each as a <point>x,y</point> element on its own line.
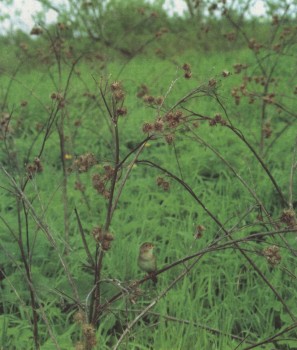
<point>23,12</point>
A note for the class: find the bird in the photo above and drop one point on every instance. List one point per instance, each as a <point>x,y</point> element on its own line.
<point>147,260</point>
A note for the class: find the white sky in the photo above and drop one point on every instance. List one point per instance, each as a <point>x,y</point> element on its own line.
<point>23,12</point>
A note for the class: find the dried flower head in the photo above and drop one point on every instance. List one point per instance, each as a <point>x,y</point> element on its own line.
<point>159,100</point>
<point>187,69</point>
<point>225,73</point>
<point>169,138</point>
<point>199,231</point>
<point>98,183</point>
<point>163,184</point>
<point>267,131</point>
<point>118,95</point>
<point>79,346</point>
<point>149,99</point>
<point>238,67</point>
<point>147,127</point>
<point>142,91</point>
<point>84,162</point>
<point>33,168</point>
<point>108,172</point>
<point>122,111</point>
<point>79,317</point>
<point>97,233</point>
<point>254,45</point>
<point>288,217</point>
<point>117,91</point>
<point>5,127</point>
<point>272,255</point>
<point>188,75</point>
<point>116,86</point>
<point>36,31</point>
<point>158,125</point>
<point>89,335</point>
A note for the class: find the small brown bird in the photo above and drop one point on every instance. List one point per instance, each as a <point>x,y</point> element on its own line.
<point>147,260</point>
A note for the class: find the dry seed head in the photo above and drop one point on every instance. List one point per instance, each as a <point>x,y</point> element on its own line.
<point>36,31</point>
<point>188,75</point>
<point>147,127</point>
<point>97,234</point>
<point>158,125</point>
<point>163,184</point>
<point>159,181</point>
<point>267,131</point>
<point>79,317</point>
<point>106,194</point>
<point>115,86</point>
<point>118,95</point>
<point>159,100</point>
<point>288,217</point>
<point>199,231</point>
<point>106,245</point>
<point>121,111</point>
<point>149,99</point>
<point>272,255</point>
<point>109,172</point>
<point>142,91</point>
<point>89,334</point>
<point>98,183</point>
<point>5,127</point>
<point>84,162</point>
<point>109,236</point>
<point>225,73</point>
<point>186,67</point>
<point>169,138</point>
<point>33,168</point>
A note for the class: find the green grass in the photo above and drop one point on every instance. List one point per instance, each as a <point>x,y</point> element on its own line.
<point>222,291</point>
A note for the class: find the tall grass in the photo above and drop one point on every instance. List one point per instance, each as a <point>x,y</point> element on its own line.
<point>196,154</point>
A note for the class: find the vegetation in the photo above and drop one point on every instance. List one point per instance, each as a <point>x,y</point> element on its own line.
<point>178,131</point>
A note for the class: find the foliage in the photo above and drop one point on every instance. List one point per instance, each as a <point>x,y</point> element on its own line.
<point>103,150</point>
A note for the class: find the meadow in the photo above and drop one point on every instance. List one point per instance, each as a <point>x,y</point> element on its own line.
<point>193,151</point>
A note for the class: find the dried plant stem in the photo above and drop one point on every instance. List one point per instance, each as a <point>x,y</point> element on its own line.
<point>293,169</point>
<point>273,338</point>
